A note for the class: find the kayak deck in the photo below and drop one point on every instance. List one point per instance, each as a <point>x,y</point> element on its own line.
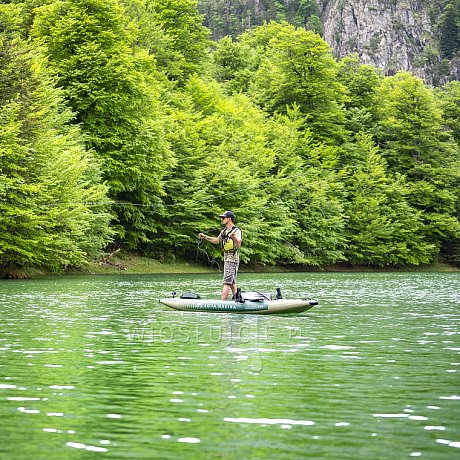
<point>264,307</point>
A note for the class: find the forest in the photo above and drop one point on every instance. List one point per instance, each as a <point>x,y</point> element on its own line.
<point>124,125</point>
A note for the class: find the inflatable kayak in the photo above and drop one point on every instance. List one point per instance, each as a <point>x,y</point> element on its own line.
<point>255,303</point>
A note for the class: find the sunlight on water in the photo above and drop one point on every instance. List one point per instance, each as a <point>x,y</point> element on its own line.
<point>97,365</point>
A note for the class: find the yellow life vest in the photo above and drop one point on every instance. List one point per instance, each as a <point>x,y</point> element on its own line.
<point>226,243</point>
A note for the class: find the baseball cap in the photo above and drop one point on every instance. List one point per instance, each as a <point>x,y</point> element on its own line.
<point>228,214</point>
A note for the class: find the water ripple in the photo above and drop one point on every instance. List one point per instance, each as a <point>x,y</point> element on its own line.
<point>95,364</point>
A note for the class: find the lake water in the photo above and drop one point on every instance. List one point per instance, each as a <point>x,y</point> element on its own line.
<point>95,367</point>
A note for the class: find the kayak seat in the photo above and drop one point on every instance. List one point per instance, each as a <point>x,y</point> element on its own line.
<point>255,296</point>
<point>190,295</point>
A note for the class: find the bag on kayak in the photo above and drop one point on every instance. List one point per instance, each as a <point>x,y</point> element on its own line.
<point>190,295</point>
<point>255,296</point>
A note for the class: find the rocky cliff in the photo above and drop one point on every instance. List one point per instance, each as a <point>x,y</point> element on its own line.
<point>389,34</point>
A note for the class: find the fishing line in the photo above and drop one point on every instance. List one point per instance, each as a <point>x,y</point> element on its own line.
<point>210,261</point>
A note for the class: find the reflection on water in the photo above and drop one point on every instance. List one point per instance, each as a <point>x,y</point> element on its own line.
<point>97,365</point>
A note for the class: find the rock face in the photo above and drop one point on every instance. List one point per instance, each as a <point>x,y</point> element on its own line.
<point>389,34</point>
<point>392,35</point>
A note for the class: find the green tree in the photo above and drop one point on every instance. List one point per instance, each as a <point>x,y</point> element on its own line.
<point>231,18</point>
<point>297,68</point>
<point>307,176</point>
<point>224,161</point>
<point>233,64</point>
<point>361,82</point>
<point>383,229</point>
<point>410,125</point>
<point>114,94</point>
<point>450,30</point>
<point>172,31</point>
<point>449,97</point>
<point>413,141</point>
<point>53,208</point>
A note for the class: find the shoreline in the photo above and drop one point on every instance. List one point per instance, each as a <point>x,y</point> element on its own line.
<point>134,264</point>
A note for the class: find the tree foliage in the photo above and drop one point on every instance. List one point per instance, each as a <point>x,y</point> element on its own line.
<point>232,18</point>
<point>323,161</point>
<point>53,206</point>
<point>383,229</point>
<point>281,67</point>
<point>173,33</point>
<point>449,26</point>
<point>449,97</point>
<point>415,143</point>
<point>114,92</point>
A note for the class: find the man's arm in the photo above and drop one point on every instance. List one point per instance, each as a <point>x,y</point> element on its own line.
<point>211,239</point>
<point>236,237</point>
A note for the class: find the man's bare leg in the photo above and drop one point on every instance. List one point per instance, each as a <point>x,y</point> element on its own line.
<point>225,291</point>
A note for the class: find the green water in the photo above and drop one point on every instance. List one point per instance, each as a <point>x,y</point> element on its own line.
<point>95,367</point>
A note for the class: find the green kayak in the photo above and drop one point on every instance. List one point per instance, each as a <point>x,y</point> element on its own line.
<point>260,304</point>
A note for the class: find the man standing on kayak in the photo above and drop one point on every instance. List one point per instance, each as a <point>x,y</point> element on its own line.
<point>229,240</point>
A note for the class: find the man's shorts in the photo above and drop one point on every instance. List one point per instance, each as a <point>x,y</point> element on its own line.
<point>230,272</point>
